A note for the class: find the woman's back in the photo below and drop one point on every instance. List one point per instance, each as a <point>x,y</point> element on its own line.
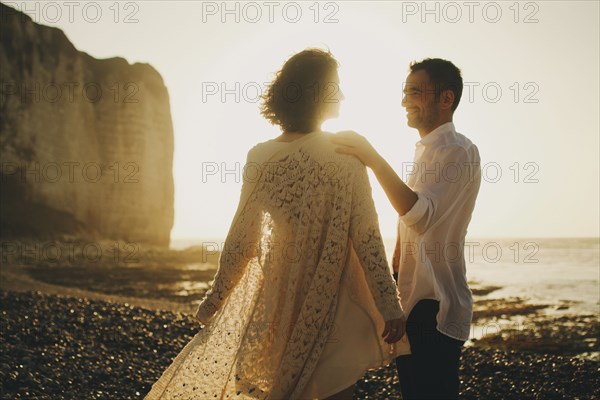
<point>303,253</point>
<point>301,217</point>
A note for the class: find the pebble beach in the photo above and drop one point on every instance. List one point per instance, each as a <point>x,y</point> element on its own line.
<point>64,347</point>
<point>79,331</point>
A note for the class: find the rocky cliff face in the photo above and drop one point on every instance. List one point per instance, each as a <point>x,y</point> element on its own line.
<point>86,145</point>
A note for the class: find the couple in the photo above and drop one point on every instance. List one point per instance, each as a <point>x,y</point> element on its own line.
<point>304,302</point>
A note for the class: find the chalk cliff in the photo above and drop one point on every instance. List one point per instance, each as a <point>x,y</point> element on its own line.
<point>86,145</point>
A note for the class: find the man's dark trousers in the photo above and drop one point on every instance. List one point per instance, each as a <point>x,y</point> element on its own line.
<point>431,371</point>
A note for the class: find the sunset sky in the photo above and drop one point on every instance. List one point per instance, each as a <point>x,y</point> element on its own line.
<point>531,100</point>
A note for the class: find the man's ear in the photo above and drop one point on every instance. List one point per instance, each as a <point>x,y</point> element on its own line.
<point>447,99</point>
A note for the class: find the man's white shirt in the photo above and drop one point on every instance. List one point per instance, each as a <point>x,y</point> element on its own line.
<point>429,253</point>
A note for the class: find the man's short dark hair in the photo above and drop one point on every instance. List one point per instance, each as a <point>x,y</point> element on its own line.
<point>443,74</point>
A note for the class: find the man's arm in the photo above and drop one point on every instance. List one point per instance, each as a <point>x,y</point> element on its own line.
<point>435,196</point>
<point>399,194</point>
<point>397,255</point>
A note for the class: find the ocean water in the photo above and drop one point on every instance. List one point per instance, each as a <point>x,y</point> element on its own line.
<point>553,271</point>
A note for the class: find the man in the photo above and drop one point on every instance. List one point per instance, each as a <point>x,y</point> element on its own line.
<point>434,209</point>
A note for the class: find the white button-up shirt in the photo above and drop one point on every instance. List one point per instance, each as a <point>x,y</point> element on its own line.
<point>429,254</point>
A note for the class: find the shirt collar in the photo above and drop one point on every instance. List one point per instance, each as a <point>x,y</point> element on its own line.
<point>437,132</point>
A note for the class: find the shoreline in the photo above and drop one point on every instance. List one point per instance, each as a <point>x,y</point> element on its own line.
<point>506,324</point>
<point>14,280</point>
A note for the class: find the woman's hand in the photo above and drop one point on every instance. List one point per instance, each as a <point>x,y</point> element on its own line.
<point>205,313</point>
<point>394,330</point>
<point>354,144</point>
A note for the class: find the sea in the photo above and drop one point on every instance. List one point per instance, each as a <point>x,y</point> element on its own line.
<point>552,271</point>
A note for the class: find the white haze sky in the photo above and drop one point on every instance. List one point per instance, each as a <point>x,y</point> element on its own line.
<point>540,132</point>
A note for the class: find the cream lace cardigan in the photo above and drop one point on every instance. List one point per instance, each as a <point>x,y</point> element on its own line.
<point>301,217</point>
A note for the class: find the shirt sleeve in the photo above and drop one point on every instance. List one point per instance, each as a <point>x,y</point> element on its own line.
<point>240,246</point>
<point>453,171</point>
<point>367,242</point>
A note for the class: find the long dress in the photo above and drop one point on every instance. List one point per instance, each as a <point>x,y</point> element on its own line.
<point>351,346</point>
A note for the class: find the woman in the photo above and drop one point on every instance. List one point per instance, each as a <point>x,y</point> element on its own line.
<point>303,289</point>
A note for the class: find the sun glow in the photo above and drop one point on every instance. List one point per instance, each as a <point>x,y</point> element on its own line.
<point>513,106</point>
<point>532,127</point>
<point>223,120</point>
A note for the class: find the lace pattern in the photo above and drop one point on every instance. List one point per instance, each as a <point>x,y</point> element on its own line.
<point>272,304</point>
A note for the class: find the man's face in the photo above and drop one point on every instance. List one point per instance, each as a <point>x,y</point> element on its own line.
<point>422,109</point>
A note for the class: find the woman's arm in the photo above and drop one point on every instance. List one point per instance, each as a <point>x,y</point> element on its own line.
<point>240,246</point>
<point>232,266</point>
<point>367,242</point>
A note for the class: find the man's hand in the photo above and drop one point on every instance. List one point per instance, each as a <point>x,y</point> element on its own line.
<point>354,144</point>
<point>394,330</point>
<point>400,195</point>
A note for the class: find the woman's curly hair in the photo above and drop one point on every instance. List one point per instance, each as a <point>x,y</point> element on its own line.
<point>293,99</point>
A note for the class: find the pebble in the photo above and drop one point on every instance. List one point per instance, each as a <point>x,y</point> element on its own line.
<point>59,347</point>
